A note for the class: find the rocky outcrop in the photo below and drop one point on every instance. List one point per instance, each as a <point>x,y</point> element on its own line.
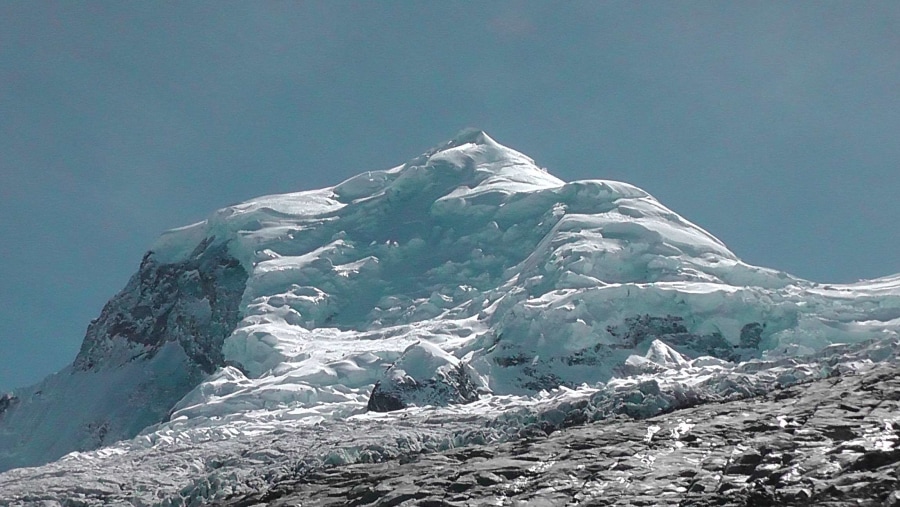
<point>424,375</point>
<point>194,303</point>
<point>6,401</point>
<point>671,329</point>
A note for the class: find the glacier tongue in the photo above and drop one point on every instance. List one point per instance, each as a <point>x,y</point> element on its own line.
<point>472,287</point>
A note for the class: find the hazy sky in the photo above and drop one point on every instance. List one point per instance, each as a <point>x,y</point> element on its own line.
<point>774,125</point>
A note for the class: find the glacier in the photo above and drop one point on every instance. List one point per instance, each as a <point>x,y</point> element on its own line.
<point>465,297</point>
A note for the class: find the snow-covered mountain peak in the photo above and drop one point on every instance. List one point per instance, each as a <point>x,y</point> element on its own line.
<point>467,278</point>
<point>470,135</point>
<point>470,162</point>
<point>477,143</point>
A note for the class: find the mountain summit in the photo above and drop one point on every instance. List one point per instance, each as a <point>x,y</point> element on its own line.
<point>467,286</point>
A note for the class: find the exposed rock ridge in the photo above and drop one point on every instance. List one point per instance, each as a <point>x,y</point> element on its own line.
<point>153,342</point>
<point>194,302</point>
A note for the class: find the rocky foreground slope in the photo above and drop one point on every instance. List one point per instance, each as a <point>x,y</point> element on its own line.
<point>830,442</point>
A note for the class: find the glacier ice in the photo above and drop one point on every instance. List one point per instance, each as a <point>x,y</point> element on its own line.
<point>478,292</point>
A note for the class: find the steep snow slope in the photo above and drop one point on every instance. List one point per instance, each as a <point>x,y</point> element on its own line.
<point>467,278</point>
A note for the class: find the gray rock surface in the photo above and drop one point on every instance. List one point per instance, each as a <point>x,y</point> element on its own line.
<point>194,302</point>
<point>828,442</point>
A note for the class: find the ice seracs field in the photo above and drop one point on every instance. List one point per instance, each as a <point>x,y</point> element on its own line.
<point>466,298</point>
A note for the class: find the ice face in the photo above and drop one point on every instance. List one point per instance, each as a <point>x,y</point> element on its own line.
<point>473,248</point>
<point>481,278</point>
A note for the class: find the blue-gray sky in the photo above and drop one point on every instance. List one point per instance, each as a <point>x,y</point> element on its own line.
<point>771,124</point>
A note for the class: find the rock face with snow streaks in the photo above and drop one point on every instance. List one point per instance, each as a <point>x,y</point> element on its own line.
<point>193,302</point>
<point>153,342</point>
